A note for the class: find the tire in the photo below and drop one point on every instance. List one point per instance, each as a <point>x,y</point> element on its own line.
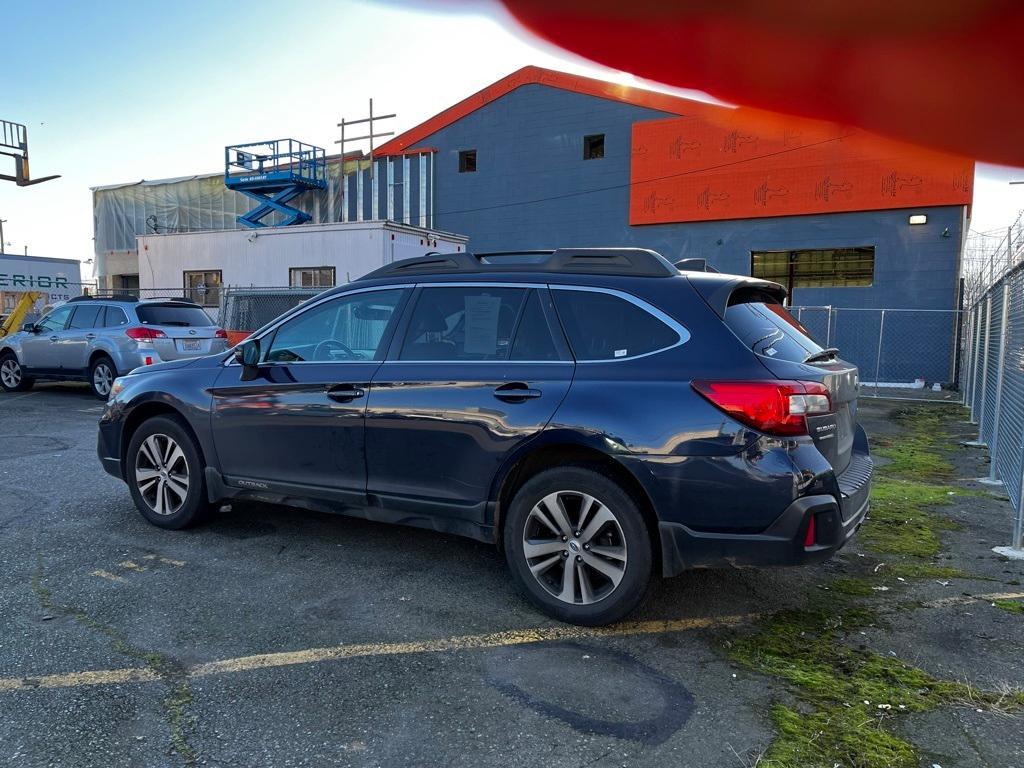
<point>12,375</point>
<point>155,473</point>
<point>613,523</point>
<point>102,373</point>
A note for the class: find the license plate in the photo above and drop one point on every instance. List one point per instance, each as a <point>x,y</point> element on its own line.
<point>191,345</point>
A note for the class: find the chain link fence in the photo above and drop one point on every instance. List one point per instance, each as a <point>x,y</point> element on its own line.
<point>993,383</point>
<point>902,353</point>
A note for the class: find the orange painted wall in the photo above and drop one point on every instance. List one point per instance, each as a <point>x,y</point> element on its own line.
<point>722,163</point>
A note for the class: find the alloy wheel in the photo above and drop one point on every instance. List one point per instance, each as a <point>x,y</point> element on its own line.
<point>10,373</point>
<point>575,547</point>
<point>161,474</point>
<point>102,379</point>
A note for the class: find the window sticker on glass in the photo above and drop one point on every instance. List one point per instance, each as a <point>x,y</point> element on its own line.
<point>621,352</point>
<point>482,313</point>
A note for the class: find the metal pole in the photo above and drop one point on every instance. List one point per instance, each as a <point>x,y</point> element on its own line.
<point>2,236</point>
<point>828,329</point>
<point>878,358</point>
<point>984,368</point>
<point>1018,525</point>
<point>974,366</point>
<point>1000,376</point>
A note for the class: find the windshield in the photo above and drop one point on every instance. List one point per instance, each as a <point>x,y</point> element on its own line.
<point>183,316</point>
<point>769,330</point>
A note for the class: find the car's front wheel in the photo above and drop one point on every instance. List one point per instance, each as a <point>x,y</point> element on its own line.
<point>165,474</point>
<point>12,375</point>
<point>578,545</point>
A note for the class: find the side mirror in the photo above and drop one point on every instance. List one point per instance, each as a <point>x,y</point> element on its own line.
<point>29,327</point>
<point>247,354</point>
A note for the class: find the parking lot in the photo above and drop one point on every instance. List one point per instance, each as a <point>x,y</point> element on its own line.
<point>276,637</point>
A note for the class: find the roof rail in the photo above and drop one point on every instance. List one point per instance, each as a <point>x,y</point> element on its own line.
<point>634,262</point>
<point>180,299</point>
<point>105,297</point>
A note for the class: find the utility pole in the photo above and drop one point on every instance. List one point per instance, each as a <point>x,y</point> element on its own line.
<point>368,135</point>
<point>2,236</point>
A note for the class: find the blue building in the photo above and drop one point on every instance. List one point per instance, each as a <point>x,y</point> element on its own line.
<point>543,159</point>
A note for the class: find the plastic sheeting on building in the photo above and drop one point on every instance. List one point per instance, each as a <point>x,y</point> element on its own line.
<point>202,203</point>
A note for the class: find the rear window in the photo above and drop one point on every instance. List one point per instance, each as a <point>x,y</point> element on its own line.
<point>171,314</point>
<point>768,329</point>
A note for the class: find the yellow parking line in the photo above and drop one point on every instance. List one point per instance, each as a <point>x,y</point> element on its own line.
<point>338,652</point>
<point>131,565</point>
<point>106,575</point>
<point>164,560</point>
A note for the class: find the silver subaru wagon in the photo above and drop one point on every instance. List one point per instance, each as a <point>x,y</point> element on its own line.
<point>97,339</point>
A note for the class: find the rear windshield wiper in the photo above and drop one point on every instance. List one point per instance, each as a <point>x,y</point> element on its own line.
<point>825,354</point>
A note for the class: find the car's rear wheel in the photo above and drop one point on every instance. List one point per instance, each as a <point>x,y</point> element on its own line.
<point>12,375</point>
<point>578,545</point>
<point>165,474</point>
<point>101,376</point>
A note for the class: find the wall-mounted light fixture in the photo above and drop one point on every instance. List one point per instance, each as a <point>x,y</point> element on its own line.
<point>918,218</point>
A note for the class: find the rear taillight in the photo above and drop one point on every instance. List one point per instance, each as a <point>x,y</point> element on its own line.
<point>221,333</point>
<point>144,334</point>
<point>775,407</point>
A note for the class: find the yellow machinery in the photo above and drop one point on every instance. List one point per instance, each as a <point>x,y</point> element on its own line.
<point>20,312</point>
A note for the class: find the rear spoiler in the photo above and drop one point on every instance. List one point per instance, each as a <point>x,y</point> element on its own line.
<point>722,291</point>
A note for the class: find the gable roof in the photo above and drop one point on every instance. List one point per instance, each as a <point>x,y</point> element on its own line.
<point>588,86</point>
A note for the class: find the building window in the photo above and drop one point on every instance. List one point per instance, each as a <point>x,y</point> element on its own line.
<point>467,161</point>
<point>825,268</point>
<point>311,277</point>
<point>593,147</point>
<point>203,287</point>
<point>126,285</point>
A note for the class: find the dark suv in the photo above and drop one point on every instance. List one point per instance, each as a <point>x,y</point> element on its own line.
<point>598,414</point>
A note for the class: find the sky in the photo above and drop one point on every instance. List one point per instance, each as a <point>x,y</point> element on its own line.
<point>120,90</point>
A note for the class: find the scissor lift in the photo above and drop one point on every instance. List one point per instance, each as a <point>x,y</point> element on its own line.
<point>12,323</point>
<point>274,173</point>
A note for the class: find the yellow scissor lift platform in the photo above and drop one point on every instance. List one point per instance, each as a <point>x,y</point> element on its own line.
<point>20,312</point>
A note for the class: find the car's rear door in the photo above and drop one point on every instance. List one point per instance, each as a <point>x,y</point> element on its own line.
<point>298,423</point>
<point>75,342</point>
<point>477,370</point>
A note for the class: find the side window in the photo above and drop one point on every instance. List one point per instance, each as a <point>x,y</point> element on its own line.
<point>85,316</point>
<point>113,317</point>
<point>347,328</point>
<point>533,336</point>
<point>463,324</point>
<point>56,320</point>
<point>601,326</point>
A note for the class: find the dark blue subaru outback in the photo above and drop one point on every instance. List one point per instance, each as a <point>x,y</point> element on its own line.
<point>600,415</point>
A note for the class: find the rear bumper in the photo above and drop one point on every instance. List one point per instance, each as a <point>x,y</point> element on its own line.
<point>780,545</point>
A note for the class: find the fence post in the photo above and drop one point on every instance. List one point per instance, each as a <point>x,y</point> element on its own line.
<point>974,367</point>
<point>828,328</point>
<point>984,368</point>
<point>878,356</point>
<point>993,449</point>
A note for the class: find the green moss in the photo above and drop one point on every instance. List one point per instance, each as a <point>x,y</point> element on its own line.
<point>913,570</point>
<point>914,454</point>
<point>851,693</point>
<point>834,736</point>
<point>899,523</point>
<point>1012,606</point>
<point>851,586</point>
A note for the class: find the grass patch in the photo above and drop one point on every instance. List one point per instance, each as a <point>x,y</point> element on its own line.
<point>852,586</point>
<point>850,694</point>
<point>1011,606</point>
<point>929,571</point>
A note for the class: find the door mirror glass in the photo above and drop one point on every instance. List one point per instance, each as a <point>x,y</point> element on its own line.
<point>248,353</point>
<point>29,327</point>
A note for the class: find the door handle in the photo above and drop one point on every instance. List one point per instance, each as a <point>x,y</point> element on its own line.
<point>516,392</point>
<point>54,338</point>
<point>90,336</point>
<point>344,393</point>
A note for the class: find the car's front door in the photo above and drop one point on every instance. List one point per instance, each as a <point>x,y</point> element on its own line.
<point>39,349</point>
<point>299,422</point>
<point>479,370</point>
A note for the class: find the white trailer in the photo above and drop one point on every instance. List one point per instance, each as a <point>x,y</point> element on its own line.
<point>311,255</point>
